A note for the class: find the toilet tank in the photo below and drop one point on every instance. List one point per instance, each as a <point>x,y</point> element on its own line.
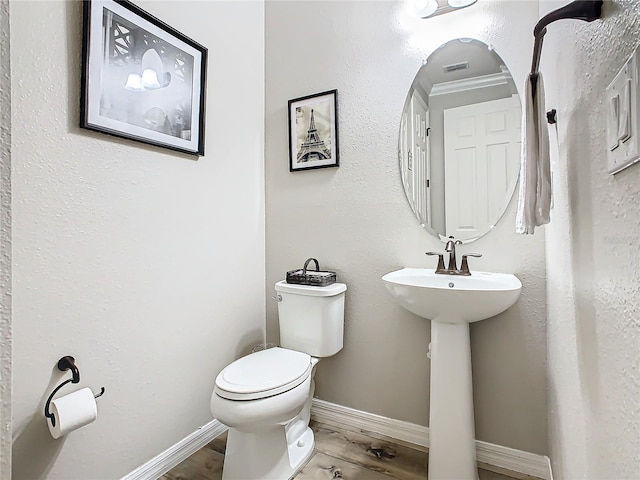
<point>311,318</point>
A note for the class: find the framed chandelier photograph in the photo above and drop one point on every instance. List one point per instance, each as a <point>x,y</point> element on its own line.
<point>141,79</point>
<point>313,131</point>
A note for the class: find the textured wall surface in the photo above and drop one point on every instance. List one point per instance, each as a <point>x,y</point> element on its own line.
<point>355,219</point>
<point>5,244</point>
<point>593,256</point>
<point>130,257</point>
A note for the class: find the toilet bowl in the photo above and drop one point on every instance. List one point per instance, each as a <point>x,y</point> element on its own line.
<point>265,398</point>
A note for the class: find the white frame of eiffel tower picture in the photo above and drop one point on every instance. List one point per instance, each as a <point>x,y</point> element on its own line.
<point>313,131</point>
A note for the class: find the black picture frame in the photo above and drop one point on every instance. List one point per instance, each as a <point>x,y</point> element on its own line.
<point>141,79</point>
<point>313,132</point>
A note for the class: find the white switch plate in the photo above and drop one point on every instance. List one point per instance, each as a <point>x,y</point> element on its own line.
<point>623,104</point>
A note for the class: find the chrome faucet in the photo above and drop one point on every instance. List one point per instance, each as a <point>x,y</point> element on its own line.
<point>453,269</point>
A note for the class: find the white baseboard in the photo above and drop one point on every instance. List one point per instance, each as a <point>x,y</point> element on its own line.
<point>324,411</point>
<point>496,455</point>
<point>503,457</point>
<point>172,456</point>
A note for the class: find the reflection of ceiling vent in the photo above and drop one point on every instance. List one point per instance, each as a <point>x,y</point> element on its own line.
<point>456,66</point>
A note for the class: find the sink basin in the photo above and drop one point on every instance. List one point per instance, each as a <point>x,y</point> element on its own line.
<point>453,298</point>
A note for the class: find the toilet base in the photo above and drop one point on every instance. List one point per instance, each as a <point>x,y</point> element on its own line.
<point>266,455</point>
<point>301,449</point>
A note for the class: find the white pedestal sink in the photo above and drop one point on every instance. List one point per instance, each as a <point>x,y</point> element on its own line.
<point>451,302</point>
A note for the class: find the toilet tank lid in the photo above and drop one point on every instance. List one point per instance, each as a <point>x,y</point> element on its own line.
<point>328,291</point>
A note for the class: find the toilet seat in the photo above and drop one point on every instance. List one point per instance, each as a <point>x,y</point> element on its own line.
<point>263,374</point>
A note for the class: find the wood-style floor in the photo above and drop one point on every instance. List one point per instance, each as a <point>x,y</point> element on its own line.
<point>338,453</point>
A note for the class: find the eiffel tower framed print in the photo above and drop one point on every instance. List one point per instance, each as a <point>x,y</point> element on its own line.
<point>313,131</point>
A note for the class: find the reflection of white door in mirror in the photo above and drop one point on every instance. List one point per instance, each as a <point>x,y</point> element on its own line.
<point>460,73</point>
<point>482,151</point>
<point>415,157</point>
<point>420,150</point>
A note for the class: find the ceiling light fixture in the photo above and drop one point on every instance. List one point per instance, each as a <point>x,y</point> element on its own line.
<point>433,8</point>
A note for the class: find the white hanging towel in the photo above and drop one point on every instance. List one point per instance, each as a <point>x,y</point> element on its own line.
<point>534,199</point>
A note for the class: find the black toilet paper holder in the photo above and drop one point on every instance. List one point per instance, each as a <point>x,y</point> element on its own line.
<point>65,363</point>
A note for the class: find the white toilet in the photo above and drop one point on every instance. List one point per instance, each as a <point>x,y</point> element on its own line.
<point>265,397</point>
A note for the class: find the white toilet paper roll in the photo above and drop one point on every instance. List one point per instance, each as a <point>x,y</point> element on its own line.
<point>72,412</point>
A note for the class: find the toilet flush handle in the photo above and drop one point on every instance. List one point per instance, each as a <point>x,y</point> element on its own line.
<point>277,297</point>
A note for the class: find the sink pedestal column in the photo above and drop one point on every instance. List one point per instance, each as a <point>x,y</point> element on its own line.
<point>452,450</point>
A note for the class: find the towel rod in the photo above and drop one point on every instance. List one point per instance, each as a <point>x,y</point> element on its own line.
<point>587,10</point>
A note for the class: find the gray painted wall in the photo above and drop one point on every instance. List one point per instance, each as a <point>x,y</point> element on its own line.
<point>131,257</point>
<point>355,219</point>
<point>593,255</point>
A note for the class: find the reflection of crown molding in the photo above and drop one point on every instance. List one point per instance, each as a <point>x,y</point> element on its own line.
<point>465,84</point>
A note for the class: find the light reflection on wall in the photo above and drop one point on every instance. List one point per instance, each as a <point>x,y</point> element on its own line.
<point>423,35</point>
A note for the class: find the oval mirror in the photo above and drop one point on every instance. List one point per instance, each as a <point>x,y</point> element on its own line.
<point>459,147</point>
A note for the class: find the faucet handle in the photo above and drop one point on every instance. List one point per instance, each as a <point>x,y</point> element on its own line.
<point>440,267</point>
<point>464,267</point>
